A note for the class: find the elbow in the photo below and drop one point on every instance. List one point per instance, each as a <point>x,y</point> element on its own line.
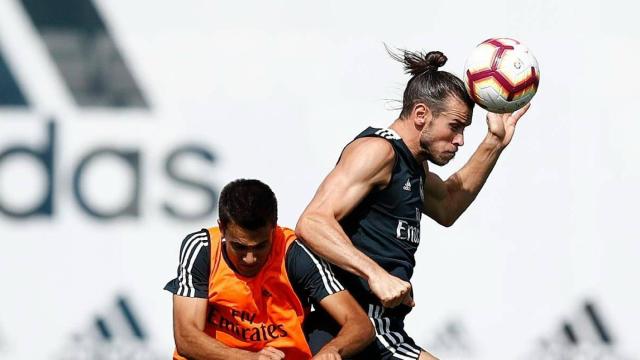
<point>303,226</point>
<point>365,330</point>
<point>182,351</point>
<point>447,222</point>
<point>368,333</point>
<point>183,347</point>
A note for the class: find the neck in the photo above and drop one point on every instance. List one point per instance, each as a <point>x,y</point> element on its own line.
<point>407,132</point>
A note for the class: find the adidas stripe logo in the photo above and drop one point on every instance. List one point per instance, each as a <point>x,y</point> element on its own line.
<point>115,334</point>
<point>583,335</point>
<point>83,51</point>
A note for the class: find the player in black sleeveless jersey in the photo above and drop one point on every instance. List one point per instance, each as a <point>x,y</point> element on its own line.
<point>365,217</point>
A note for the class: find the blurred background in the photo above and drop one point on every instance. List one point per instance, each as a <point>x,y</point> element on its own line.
<point>120,121</point>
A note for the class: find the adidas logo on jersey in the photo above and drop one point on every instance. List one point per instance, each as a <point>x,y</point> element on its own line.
<point>407,185</point>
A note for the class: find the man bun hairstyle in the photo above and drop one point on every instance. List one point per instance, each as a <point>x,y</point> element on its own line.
<point>415,63</point>
<point>428,85</point>
<point>248,203</point>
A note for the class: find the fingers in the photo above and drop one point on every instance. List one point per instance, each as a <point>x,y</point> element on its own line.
<point>398,295</point>
<point>272,353</point>
<point>408,300</point>
<point>518,114</point>
<point>390,289</point>
<point>327,353</point>
<point>327,356</point>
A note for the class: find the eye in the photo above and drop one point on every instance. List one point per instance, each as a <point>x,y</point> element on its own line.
<point>238,247</point>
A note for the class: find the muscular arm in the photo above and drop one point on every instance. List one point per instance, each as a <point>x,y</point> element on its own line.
<point>356,332</point>
<point>313,280</point>
<point>366,164</point>
<point>189,316</point>
<point>445,201</point>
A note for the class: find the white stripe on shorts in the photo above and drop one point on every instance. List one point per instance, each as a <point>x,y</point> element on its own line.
<point>392,340</point>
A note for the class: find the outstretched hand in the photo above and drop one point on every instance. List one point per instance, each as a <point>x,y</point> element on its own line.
<point>502,126</point>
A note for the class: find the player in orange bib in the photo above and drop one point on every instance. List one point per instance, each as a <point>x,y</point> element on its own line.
<point>244,288</point>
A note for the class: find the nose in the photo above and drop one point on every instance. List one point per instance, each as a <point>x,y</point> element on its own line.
<point>249,258</point>
<point>458,140</point>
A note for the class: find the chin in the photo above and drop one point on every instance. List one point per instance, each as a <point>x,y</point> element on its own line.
<point>438,161</point>
<point>249,274</point>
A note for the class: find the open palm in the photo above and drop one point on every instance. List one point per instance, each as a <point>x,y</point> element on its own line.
<point>502,126</point>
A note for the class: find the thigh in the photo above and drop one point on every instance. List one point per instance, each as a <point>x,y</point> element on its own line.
<point>392,342</point>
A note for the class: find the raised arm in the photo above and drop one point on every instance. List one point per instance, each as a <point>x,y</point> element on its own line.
<point>445,201</point>
<point>366,164</point>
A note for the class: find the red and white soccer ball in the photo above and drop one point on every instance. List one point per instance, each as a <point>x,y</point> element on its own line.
<point>501,75</point>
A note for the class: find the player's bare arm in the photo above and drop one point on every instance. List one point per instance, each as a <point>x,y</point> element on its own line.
<point>446,200</point>
<point>356,329</point>
<point>189,317</point>
<point>366,164</point>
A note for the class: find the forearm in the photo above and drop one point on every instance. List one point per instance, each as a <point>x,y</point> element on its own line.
<point>195,344</point>
<point>464,185</point>
<point>325,236</point>
<point>352,338</point>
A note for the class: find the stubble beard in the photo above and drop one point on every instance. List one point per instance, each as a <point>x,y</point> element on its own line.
<point>425,146</point>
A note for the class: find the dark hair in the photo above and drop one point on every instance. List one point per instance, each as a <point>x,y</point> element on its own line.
<point>248,203</point>
<point>427,84</point>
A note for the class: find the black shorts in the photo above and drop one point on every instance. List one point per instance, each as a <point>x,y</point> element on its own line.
<point>391,342</point>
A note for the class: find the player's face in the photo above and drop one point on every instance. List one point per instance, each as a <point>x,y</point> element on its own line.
<point>248,250</point>
<point>441,137</point>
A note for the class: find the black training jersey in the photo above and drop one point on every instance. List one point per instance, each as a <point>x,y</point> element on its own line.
<point>386,224</point>
<point>312,277</point>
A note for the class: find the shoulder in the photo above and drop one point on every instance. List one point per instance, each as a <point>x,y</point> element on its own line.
<point>200,237</point>
<point>310,275</point>
<point>193,266</point>
<point>300,261</point>
<point>368,155</point>
<point>372,146</point>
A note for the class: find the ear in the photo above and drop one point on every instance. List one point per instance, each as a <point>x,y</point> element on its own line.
<point>221,227</point>
<point>421,114</point>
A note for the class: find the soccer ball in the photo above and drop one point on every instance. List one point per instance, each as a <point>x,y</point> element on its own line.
<point>501,75</point>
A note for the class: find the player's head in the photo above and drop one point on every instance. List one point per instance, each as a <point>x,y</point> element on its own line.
<point>436,102</point>
<point>248,213</point>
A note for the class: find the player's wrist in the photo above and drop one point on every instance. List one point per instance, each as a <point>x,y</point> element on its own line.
<point>243,354</point>
<point>493,142</point>
<point>329,349</point>
<point>374,272</point>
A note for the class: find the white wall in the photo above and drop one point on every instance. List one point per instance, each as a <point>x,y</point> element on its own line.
<point>275,89</point>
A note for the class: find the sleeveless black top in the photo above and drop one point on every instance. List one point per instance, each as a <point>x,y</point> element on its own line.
<point>386,224</point>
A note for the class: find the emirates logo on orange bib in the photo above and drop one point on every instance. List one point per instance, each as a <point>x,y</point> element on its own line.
<point>241,325</point>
